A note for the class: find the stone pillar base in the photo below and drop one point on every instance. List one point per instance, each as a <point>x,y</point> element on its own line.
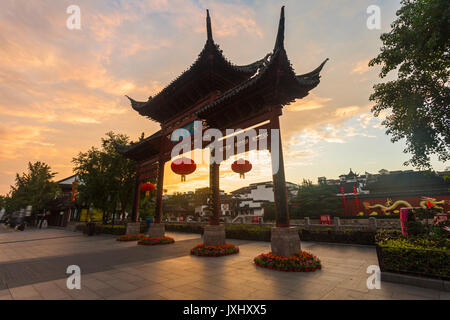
<point>214,235</point>
<point>133,228</point>
<point>285,242</point>
<point>157,230</point>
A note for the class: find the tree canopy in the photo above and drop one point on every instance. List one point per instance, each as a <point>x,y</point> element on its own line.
<point>315,200</point>
<point>34,187</point>
<point>418,101</point>
<point>3,201</point>
<point>106,177</point>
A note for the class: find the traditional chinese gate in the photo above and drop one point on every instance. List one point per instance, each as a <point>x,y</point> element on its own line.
<point>223,96</point>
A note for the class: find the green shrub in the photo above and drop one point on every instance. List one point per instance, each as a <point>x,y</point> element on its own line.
<point>421,253</point>
<point>349,237</point>
<point>248,232</point>
<point>117,229</point>
<point>416,228</point>
<point>400,257</point>
<point>387,234</point>
<point>110,229</point>
<point>263,233</point>
<point>186,227</point>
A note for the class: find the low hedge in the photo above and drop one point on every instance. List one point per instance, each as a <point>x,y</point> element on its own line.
<point>117,230</point>
<point>263,233</point>
<point>425,262</point>
<point>188,227</point>
<point>426,254</point>
<point>348,237</point>
<point>248,232</point>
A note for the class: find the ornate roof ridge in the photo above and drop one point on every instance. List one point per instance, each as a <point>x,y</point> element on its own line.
<point>209,45</point>
<point>310,79</point>
<point>122,149</point>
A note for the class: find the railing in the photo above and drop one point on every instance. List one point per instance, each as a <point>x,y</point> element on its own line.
<point>369,224</point>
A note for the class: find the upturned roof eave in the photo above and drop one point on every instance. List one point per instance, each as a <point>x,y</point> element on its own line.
<point>144,107</point>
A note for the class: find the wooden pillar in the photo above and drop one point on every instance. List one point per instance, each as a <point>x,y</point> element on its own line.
<point>215,208</point>
<point>279,180</point>
<point>137,196</point>
<point>159,191</point>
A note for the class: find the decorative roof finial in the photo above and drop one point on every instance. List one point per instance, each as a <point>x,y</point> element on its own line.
<point>279,44</point>
<point>208,26</point>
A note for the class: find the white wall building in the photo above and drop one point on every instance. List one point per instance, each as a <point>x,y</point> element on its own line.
<point>251,199</point>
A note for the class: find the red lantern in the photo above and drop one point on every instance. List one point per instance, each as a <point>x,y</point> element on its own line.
<point>242,167</point>
<point>147,187</point>
<point>183,167</point>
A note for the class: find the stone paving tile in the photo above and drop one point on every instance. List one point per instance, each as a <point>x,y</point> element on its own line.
<point>401,291</point>
<point>25,293</point>
<point>50,291</point>
<point>83,294</point>
<point>107,292</point>
<point>122,285</point>
<point>197,293</point>
<point>348,294</point>
<point>94,284</point>
<point>170,294</point>
<point>5,295</point>
<point>239,294</point>
<point>128,277</point>
<point>267,295</point>
<point>140,293</point>
<point>114,270</point>
<point>143,283</point>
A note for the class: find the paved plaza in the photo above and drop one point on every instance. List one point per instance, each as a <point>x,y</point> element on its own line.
<point>33,265</point>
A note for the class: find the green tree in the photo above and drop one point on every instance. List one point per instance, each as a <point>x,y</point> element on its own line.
<point>34,188</point>
<point>418,50</point>
<point>315,200</point>
<point>106,177</point>
<point>147,203</point>
<point>5,202</point>
<point>269,212</point>
<point>2,202</point>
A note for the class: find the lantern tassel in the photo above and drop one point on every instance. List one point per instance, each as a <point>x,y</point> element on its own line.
<point>147,193</point>
<point>183,178</point>
<point>242,175</point>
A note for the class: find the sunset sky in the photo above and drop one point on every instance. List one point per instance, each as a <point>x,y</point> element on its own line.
<point>61,90</point>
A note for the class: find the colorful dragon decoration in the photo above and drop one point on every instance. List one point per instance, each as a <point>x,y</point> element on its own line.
<point>402,204</point>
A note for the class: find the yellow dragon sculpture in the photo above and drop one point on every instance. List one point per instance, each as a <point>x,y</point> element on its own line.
<point>402,204</point>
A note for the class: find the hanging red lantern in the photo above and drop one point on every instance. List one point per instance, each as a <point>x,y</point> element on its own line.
<point>183,167</point>
<point>242,167</point>
<point>147,187</point>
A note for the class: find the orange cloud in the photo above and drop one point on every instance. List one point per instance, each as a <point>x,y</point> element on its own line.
<point>360,67</point>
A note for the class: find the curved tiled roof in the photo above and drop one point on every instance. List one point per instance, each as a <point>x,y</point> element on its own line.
<point>153,103</point>
<point>308,81</point>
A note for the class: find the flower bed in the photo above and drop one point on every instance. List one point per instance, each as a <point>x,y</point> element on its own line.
<point>214,251</point>
<point>131,237</point>
<point>301,262</point>
<point>156,241</point>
